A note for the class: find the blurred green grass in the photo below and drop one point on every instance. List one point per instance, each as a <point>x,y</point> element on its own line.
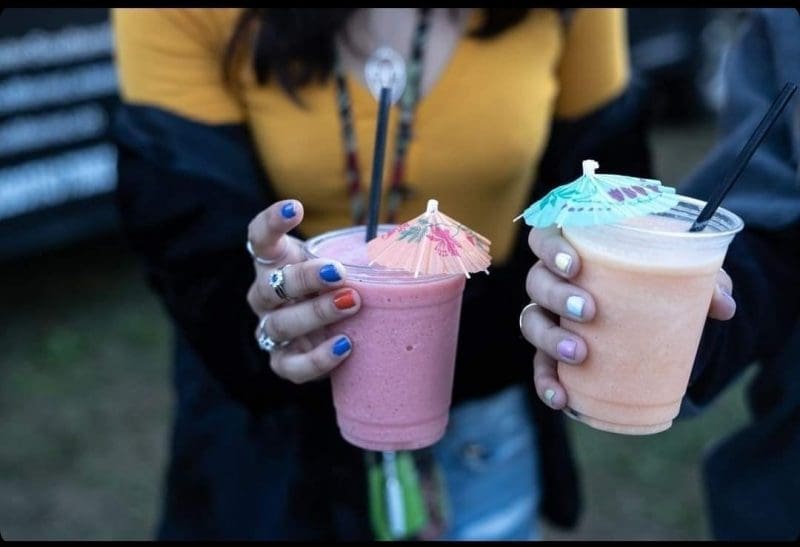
<point>85,406</point>
<point>84,397</point>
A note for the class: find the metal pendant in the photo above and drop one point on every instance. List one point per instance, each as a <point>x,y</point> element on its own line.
<point>386,68</point>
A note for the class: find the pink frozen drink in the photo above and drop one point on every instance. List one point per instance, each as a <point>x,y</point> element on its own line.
<point>394,390</point>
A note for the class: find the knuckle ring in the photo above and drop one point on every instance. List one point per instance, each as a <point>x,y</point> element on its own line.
<point>264,341</point>
<point>522,313</point>
<point>262,261</point>
<point>277,282</point>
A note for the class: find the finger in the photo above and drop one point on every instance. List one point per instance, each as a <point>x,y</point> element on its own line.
<point>267,232</point>
<point>299,280</point>
<point>545,381</point>
<point>551,292</point>
<point>557,254</point>
<point>725,281</point>
<point>539,329</point>
<point>723,306</point>
<point>299,319</point>
<point>312,365</point>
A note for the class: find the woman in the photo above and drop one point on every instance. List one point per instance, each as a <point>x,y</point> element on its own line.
<point>258,125</point>
<point>751,479</point>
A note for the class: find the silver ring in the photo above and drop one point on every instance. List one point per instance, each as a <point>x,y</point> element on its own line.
<point>276,281</point>
<point>264,341</point>
<point>262,261</point>
<point>522,313</point>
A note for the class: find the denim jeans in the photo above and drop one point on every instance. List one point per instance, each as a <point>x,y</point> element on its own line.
<point>490,463</point>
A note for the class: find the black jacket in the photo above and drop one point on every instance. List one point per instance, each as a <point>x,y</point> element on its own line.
<point>187,192</point>
<point>752,478</point>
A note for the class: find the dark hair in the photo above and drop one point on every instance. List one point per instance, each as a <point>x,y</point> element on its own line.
<point>296,45</point>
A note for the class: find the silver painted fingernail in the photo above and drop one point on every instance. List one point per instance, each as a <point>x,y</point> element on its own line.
<point>575,306</point>
<point>563,262</point>
<point>548,396</point>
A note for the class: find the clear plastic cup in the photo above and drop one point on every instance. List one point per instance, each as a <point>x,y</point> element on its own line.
<point>652,281</point>
<point>394,390</point>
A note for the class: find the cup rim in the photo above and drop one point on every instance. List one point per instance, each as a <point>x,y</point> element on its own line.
<point>730,216</point>
<point>371,274</point>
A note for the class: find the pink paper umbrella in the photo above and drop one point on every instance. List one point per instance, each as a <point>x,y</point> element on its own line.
<point>431,244</point>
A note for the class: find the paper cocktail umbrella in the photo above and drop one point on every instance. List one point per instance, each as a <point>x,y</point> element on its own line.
<point>430,244</point>
<point>595,198</point>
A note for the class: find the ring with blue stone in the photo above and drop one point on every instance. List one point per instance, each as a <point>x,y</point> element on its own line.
<point>264,341</point>
<point>276,281</point>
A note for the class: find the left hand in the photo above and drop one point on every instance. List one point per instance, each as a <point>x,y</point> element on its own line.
<point>547,285</point>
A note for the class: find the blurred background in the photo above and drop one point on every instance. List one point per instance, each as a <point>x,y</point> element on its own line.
<point>85,378</point>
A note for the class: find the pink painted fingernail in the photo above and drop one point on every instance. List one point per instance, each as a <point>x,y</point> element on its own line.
<point>566,348</point>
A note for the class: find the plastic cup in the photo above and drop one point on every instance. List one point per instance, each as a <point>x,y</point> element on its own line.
<point>394,390</point>
<point>652,281</point>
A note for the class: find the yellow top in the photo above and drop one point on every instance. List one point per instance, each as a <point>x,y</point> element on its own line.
<point>478,134</point>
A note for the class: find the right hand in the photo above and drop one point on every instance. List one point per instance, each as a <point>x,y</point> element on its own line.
<point>315,292</point>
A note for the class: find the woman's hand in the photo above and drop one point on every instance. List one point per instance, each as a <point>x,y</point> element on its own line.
<point>548,286</point>
<point>293,312</point>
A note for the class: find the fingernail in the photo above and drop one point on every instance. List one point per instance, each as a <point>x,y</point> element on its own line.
<point>341,346</point>
<point>344,300</point>
<point>548,396</point>
<point>575,306</point>
<point>288,210</point>
<point>563,262</point>
<point>566,348</point>
<point>329,273</point>
<point>729,298</point>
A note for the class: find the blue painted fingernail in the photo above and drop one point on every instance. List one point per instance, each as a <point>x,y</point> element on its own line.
<point>575,306</point>
<point>288,210</point>
<point>329,273</point>
<point>341,346</point>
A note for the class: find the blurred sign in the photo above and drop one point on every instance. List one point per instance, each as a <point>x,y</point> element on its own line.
<point>57,93</point>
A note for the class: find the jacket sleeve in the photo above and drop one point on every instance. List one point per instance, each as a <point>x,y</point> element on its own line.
<point>764,258</point>
<point>186,193</point>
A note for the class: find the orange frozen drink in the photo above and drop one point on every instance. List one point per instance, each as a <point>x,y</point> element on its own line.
<point>652,281</point>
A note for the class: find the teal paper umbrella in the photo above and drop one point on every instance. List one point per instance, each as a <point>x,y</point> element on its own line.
<point>596,198</point>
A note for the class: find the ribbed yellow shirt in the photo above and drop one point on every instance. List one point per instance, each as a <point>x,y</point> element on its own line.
<point>478,134</point>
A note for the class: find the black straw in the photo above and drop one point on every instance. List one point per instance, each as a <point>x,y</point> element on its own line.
<point>744,156</point>
<point>377,164</point>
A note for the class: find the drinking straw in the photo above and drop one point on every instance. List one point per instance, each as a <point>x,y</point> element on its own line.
<point>394,493</point>
<point>377,163</point>
<point>744,156</point>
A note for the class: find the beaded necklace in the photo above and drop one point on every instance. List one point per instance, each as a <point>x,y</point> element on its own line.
<point>398,189</point>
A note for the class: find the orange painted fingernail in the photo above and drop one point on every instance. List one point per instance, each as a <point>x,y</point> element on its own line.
<point>344,300</point>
